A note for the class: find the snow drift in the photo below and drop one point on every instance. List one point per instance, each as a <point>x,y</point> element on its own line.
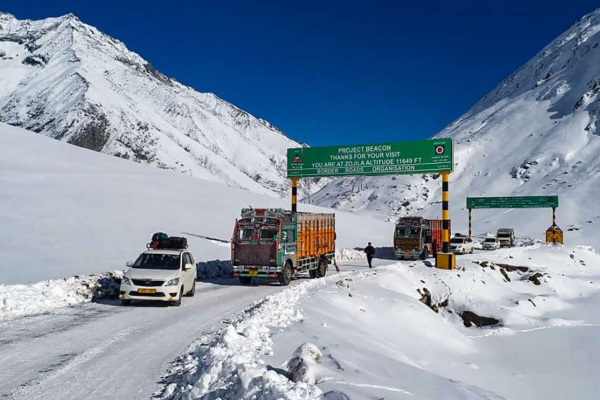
<point>68,211</point>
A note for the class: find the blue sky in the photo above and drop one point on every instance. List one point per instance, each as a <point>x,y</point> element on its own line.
<point>332,72</point>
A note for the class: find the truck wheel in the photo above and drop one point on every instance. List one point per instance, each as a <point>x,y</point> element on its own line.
<point>177,303</point>
<point>322,268</point>
<point>192,291</point>
<point>285,277</point>
<point>313,273</point>
<point>245,280</point>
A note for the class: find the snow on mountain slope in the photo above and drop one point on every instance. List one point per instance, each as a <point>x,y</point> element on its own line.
<point>69,81</point>
<point>534,134</point>
<point>66,210</point>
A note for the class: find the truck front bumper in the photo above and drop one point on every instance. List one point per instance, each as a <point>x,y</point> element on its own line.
<point>256,272</point>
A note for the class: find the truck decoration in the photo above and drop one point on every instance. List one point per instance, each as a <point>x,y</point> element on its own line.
<point>275,243</point>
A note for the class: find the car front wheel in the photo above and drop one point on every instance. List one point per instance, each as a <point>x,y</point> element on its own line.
<point>177,302</point>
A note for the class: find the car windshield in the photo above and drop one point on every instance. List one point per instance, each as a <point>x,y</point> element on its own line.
<point>157,261</point>
<point>503,235</point>
<point>490,240</point>
<point>457,240</point>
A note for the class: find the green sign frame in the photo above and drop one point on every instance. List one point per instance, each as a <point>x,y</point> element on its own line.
<point>512,202</point>
<point>392,158</point>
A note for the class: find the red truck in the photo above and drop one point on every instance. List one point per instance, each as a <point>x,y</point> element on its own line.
<point>417,237</point>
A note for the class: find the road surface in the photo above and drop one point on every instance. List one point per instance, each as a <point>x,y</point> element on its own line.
<point>107,351</point>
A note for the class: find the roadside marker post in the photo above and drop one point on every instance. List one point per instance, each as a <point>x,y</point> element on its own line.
<point>445,259</point>
<point>393,158</point>
<point>294,194</point>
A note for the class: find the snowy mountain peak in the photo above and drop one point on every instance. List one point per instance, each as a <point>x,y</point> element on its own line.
<point>534,134</point>
<point>67,80</point>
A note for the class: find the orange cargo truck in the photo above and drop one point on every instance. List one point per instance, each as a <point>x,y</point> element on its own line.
<point>275,243</point>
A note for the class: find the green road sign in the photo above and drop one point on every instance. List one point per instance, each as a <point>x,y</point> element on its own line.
<point>419,157</point>
<point>513,202</point>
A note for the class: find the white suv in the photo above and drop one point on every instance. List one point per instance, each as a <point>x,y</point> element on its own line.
<point>461,245</point>
<point>491,244</point>
<point>163,275</point>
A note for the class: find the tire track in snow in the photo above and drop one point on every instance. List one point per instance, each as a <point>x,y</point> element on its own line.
<point>67,363</point>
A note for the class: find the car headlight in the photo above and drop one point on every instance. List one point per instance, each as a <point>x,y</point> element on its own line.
<point>126,281</point>
<point>173,282</point>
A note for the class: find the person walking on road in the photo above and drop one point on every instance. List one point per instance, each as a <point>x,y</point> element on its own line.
<point>370,250</point>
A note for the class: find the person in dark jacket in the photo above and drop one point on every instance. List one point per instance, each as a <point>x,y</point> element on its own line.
<point>370,250</point>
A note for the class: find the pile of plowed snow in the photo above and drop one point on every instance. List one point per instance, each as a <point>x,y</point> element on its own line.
<point>45,296</point>
<point>516,323</point>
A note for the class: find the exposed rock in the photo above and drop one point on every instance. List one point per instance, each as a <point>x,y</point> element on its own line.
<point>470,318</point>
<point>299,367</point>
<point>535,278</point>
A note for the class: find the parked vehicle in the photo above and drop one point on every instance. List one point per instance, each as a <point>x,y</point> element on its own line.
<point>506,236</point>
<point>490,244</point>
<point>417,237</point>
<point>461,245</point>
<point>275,243</point>
<point>163,274</point>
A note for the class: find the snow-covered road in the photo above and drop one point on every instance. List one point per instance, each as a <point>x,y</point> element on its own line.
<point>104,350</point>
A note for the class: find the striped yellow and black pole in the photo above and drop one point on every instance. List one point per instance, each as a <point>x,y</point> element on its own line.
<point>445,213</point>
<point>294,194</point>
<point>445,259</point>
<point>470,230</point>
<point>554,224</point>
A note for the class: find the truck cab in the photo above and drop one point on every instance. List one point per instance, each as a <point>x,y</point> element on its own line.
<point>506,237</point>
<point>416,237</point>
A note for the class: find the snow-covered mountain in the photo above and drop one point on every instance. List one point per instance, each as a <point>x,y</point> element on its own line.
<point>536,133</point>
<point>67,80</point>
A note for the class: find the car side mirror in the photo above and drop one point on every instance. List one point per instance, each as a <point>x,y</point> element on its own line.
<point>187,267</point>
<point>129,264</point>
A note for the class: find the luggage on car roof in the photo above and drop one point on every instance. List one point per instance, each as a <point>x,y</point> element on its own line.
<point>173,242</point>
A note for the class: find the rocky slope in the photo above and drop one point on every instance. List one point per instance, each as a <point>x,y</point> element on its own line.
<point>65,79</point>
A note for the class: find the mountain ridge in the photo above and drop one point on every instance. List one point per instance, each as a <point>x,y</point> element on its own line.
<point>70,81</point>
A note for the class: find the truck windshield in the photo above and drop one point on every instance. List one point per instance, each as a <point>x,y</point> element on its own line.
<point>267,233</point>
<point>411,232</point>
<point>157,261</point>
<point>503,235</point>
<point>245,233</point>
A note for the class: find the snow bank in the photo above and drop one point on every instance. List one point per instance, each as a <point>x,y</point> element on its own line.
<point>214,269</point>
<point>45,296</point>
<point>230,364</point>
<point>396,331</point>
<point>349,255</point>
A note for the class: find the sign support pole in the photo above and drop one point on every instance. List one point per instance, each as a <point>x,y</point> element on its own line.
<point>445,213</point>
<point>469,223</point>
<point>294,194</point>
<point>554,224</point>
<point>445,259</point>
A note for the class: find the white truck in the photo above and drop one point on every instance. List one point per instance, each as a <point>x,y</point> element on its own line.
<point>506,237</point>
